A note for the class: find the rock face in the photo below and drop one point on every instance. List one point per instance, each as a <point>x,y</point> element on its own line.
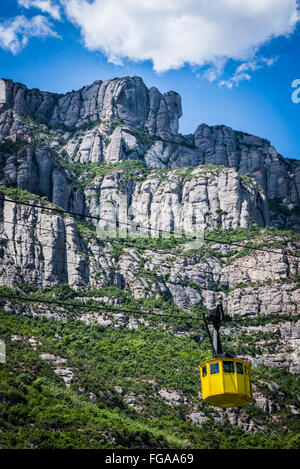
<point>254,283</point>
<point>215,178</point>
<point>120,119</point>
<point>126,99</point>
<point>58,257</point>
<point>178,200</point>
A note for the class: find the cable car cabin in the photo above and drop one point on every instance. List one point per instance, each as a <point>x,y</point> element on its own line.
<point>226,382</point>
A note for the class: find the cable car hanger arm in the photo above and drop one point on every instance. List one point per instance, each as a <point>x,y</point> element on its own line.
<point>216,317</point>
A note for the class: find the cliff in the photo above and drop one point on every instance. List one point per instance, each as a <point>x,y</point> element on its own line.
<point>120,119</point>
<point>116,140</point>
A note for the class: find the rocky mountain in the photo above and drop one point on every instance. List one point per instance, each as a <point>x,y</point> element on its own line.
<point>83,153</point>
<point>121,119</point>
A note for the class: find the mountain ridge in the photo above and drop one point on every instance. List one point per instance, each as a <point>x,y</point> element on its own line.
<point>121,119</point>
<point>109,324</point>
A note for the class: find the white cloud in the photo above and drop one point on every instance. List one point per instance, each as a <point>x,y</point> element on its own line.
<point>235,80</point>
<point>46,6</point>
<point>214,71</point>
<point>172,33</point>
<point>14,33</point>
<point>242,72</point>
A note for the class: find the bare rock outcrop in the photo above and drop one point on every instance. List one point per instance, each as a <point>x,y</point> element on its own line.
<point>120,119</point>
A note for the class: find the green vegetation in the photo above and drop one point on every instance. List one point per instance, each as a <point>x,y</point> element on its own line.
<point>268,237</point>
<point>143,137</point>
<point>209,167</point>
<point>10,147</point>
<point>24,196</point>
<point>279,207</point>
<point>285,280</point>
<point>37,410</point>
<point>253,231</point>
<point>132,169</point>
<point>86,230</point>
<point>247,180</point>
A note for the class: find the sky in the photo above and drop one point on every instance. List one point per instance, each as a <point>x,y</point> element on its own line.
<point>234,62</point>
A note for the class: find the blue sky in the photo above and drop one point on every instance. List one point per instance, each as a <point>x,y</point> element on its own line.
<point>55,46</point>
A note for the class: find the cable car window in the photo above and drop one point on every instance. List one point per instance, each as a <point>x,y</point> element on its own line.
<point>228,367</point>
<point>239,367</point>
<point>204,372</point>
<point>214,368</point>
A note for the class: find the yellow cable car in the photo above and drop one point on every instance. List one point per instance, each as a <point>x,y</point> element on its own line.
<point>225,380</point>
